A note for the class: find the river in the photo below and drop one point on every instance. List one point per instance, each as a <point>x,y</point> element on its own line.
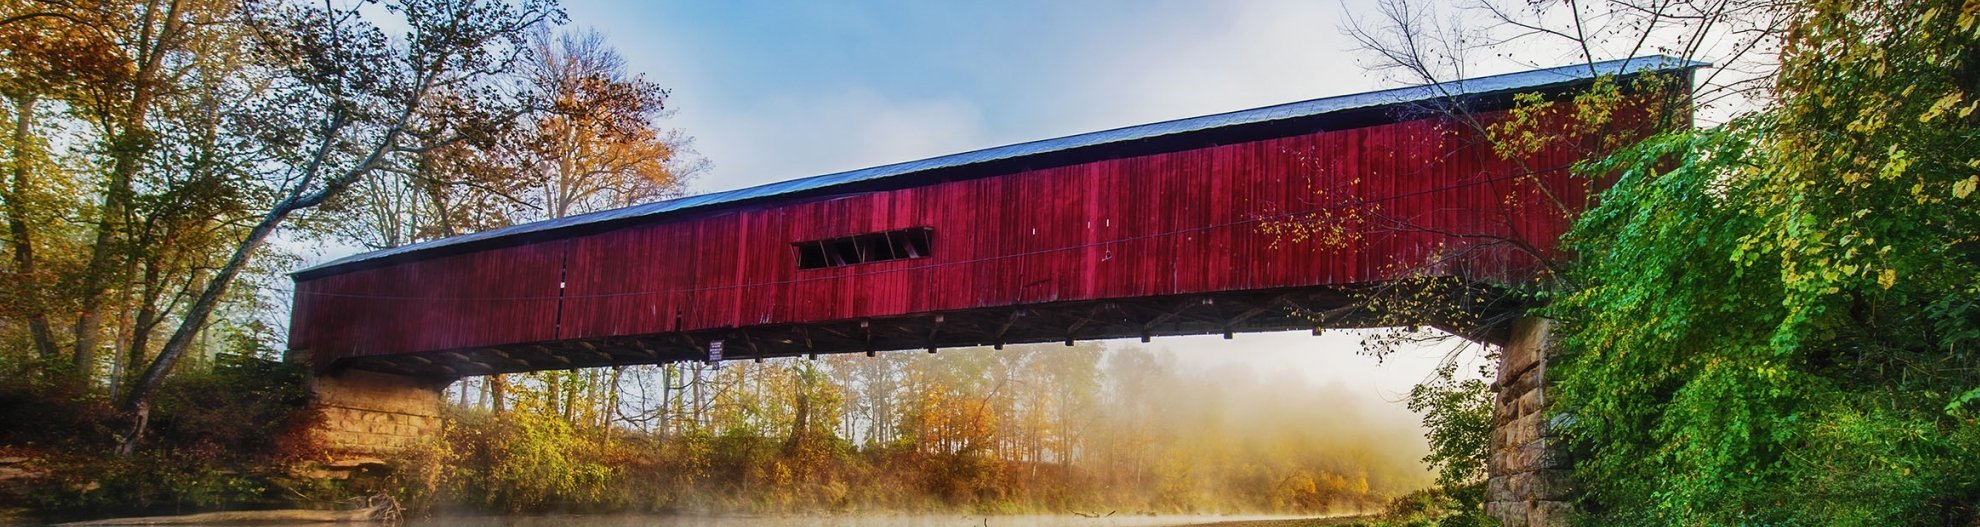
<point>944,520</point>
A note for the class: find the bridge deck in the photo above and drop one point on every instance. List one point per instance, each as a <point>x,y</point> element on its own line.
<point>1475,311</point>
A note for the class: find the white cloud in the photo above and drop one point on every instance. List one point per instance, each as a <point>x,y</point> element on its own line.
<point>1257,54</point>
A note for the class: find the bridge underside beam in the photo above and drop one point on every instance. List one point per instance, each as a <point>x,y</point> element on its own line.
<point>1472,311</point>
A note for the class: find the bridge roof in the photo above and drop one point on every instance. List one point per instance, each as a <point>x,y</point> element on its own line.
<point>859,180</point>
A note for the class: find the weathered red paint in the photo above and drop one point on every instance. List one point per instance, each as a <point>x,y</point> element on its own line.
<point>1173,223</point>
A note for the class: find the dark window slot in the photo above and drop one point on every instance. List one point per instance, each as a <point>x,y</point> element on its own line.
<point>844,251</point>
<point>811,255</point>
<point>921,241</point>
<point>863,248</point>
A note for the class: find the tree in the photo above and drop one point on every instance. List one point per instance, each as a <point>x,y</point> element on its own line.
<point>1438,46</point>
<point>342,101</point>
<point>1425,43</point>
<point>152,40</point>
<point>599,146</point>
<point>47,57</point>
<point>121,70</point>
<point>1776,323</point>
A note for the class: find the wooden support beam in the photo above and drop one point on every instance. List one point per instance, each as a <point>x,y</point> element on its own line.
<point>547,353</point>
<point>867,326</point>
<point>1311,308</point>
<point>1006,328</point>
<point>640,345</point>
<point>1165,317</point>
<point>1271,305</point>
<point>1080,322</point>
<point>837,333</point>
<point>932,330</point>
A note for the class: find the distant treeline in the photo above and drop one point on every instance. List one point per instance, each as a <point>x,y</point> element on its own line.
<point>1044,429</point>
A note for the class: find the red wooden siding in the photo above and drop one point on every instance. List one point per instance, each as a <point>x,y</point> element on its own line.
<point>1174,223</point>
<point>474,299</point>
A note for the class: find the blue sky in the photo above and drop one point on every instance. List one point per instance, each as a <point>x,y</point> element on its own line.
<point>775,91</point>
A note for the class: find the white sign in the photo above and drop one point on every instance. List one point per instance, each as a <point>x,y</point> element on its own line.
<point>714,351</point>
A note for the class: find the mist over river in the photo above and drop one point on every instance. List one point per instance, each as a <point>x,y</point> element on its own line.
<point>881,520</point>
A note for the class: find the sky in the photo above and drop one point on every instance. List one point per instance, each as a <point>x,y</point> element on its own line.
<point>781,90</point>
<point>774,92</point>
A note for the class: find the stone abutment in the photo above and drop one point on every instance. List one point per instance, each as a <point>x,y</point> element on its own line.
<point>369,416</point>
<point>1530,479</point>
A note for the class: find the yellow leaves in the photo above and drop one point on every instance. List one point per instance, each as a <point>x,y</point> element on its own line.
<point>1899,161</point>
<point>1940,107</point>
<point>1964,188</point>
<point>1870,120</point>
<point>1887,278</point>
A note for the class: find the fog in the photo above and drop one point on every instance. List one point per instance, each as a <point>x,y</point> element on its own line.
<point>1270,423</point>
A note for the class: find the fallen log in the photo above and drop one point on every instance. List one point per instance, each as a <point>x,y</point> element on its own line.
<point>383,512</point>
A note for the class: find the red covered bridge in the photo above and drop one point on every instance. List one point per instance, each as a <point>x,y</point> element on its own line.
<point>1268,219</point>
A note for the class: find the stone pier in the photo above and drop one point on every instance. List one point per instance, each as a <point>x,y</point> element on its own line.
<point>367,415</point>
<point>1531,480</point>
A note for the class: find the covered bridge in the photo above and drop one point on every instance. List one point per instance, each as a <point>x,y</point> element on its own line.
<point>1264,219</point>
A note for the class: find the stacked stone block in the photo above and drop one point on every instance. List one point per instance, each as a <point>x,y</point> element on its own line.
<point>1531,480</point>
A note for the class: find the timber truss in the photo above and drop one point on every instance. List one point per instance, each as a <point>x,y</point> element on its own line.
<point>1470,310</point>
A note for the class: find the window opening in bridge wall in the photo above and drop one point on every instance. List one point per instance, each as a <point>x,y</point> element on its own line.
<point>864,248</point>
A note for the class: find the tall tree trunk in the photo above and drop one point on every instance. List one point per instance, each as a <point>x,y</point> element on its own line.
<point>667,398</point>
<point>611,398</point>
<point>137,403</point>
<point>163,31</point>
<point>126,150</point>
<point>553,394</point>
<point>147,320</point>
<point>17,227</point>
<point>498,393</point>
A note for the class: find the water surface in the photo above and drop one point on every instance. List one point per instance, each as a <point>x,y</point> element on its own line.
<point>936,520</point>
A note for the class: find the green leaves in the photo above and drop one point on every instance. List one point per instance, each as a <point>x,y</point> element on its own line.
<point>1457,413</point>
<point>1771,314</point>
<point>1959,404</point>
